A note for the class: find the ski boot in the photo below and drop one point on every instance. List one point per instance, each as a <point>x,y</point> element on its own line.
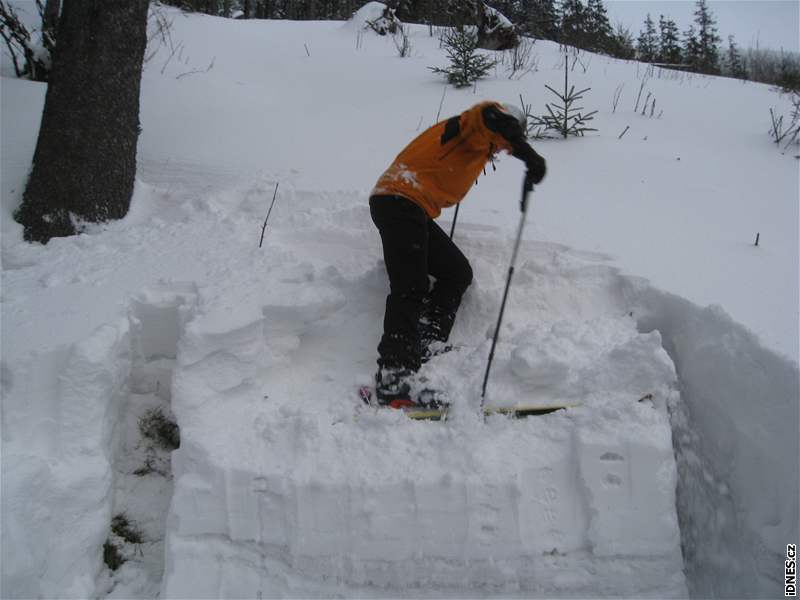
<point>393,387</point>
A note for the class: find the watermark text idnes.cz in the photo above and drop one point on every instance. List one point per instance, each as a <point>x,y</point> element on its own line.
<point>790,571</point>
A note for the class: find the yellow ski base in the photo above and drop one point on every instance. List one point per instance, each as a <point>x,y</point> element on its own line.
<point>431,414</point>
<point>523,410</point>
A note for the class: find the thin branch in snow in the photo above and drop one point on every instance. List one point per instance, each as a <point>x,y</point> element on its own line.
<point>173,51</point>
<point>269,212</point>
<point>160,33</point>
<point>617,96</point>
<point>441,101</point>
<point>639,96</point>
<point>646,102</point>
<point>206,70</point>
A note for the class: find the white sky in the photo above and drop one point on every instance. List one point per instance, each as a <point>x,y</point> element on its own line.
<point>768,23</point>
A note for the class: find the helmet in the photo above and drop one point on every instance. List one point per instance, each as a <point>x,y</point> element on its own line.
<point>517,113</point>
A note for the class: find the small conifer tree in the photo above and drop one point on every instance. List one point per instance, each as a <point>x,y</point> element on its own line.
<point>467,65</point>
<point>564,118</point>
<point>736,66</point>
<point>622,43</point>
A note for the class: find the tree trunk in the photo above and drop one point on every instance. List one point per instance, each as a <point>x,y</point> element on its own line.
<point>85,159</point>
<point>50,17</point>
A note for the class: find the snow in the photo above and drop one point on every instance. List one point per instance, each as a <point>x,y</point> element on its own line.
<point>501,21</point>
<point>369,13</point>
<point>674,473</point>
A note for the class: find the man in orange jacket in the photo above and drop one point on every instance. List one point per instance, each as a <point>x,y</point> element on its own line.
<point>435,171</point>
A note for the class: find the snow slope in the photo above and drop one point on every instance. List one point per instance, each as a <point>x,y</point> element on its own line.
<point>281,487</point>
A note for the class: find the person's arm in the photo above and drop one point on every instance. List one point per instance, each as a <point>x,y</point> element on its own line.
<point>506,125</point>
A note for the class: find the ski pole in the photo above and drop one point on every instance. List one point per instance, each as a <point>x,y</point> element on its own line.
<point>526,189</point>
<point>455,218</point>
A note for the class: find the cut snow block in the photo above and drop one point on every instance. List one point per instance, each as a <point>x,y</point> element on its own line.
<point>630,488</point>
<point>493,529</point>
<point>215,569</point>
<point>552,515</point>
<point>200,492</point>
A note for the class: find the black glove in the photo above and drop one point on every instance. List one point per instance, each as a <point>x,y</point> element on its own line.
<point>534,163</point>
<point>536,167</point>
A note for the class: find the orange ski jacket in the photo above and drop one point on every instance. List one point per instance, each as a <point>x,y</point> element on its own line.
<point>437,169</point>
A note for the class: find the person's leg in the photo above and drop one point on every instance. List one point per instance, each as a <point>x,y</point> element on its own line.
<point>403,227</point>
<point>453,276</point>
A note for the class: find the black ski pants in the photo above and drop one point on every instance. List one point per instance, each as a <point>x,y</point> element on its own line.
<point>414,247</point>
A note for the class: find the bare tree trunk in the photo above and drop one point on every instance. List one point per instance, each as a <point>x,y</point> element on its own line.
<point>248,8</point>
<point>50,16</point>
<point>85,160</point>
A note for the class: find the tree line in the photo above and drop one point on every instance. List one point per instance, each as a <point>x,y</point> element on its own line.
<point>580,23</point>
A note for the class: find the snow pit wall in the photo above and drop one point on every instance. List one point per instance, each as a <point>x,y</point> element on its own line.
<point>61,489</point>
<point>735,431</point>
<point>59,485</point>
<point>573,507</point>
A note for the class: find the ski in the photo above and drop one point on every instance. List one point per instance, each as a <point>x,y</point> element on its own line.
<point>520,411</point>
<point>423,413</point>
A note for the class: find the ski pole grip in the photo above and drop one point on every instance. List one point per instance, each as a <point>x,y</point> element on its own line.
<point>527,188</point>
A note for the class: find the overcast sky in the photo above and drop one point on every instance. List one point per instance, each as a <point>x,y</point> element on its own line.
<point>768,23</point>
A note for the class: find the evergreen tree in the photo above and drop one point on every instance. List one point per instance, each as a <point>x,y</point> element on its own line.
<point>691,49</point>
<point>573,23</point>
<point>466,64</point>
<point>598,29</point>
<point>669,49</point>
<point>622,43</point>
<point>418,11</point>
<point>407,11</point>
<point>540,19</point>
<point>736,66</point>
<point>707,40</point>
<point>647,44</point>
<point>459,13</point>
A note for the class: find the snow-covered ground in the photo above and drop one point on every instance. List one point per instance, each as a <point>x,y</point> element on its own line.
<point>675,475</point>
